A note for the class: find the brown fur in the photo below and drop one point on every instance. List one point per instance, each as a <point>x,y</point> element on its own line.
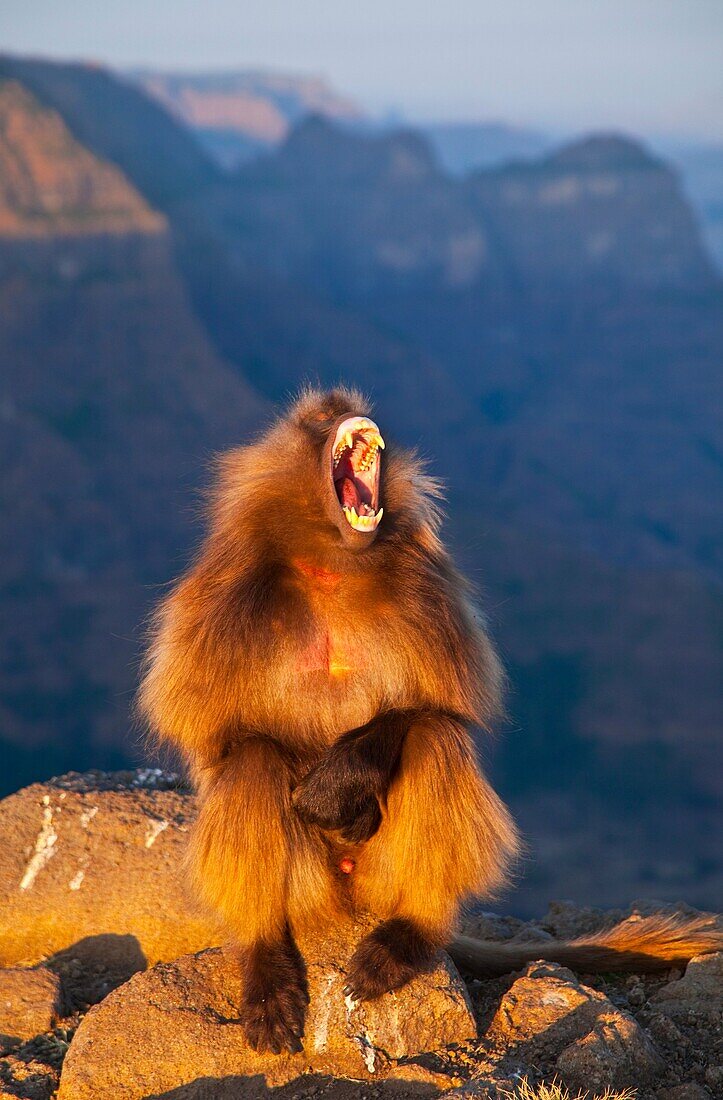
<point>322,700</point>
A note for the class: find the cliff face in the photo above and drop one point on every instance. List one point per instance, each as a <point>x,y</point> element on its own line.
<point>117,122</point>
<point>111,398</point>
<point>352,216</point>
<point>112,401</point>
<point>601,210</point>
<point>50,184</point>
<point>355,216</point>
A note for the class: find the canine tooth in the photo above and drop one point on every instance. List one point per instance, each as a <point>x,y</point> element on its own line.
<point>366,521</point>
<point>376,438</point>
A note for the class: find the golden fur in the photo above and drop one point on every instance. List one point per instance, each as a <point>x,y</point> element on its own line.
<point>322,697</point>
<point>238,680</point>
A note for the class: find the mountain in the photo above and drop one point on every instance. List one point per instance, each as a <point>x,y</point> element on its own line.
<point>545,293</point>
<point>606,210</point>
<point>351,214</point>
<point>374,213</point>
<point>111,400</point>
<point>119,123</point>
<point>237,115</point>
<point>463,148</point>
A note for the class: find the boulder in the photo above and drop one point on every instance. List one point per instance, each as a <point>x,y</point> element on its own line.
<point>29,1002</point>
<point>689,1091</point>
<point>89,856</point>
<point>696,997</point>
<point>548,1015</point>
<point>616,1053</point>
<point>546,1004</point>
<point>174,1027</point>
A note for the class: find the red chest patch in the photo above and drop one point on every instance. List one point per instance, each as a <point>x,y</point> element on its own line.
<point>326,655</point>
<point>324,577</point>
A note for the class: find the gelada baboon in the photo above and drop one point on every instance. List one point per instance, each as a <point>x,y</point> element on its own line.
<point>320,667</point>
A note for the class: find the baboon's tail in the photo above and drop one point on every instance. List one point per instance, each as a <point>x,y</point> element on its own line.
<point>636,944</point>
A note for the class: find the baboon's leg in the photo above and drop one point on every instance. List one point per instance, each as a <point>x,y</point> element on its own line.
<point>445,836</point>
<point>264,872</point>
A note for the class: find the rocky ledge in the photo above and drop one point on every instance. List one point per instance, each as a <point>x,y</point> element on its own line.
<point>112,986</point>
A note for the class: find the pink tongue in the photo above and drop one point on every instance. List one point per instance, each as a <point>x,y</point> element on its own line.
<point>348,493</point>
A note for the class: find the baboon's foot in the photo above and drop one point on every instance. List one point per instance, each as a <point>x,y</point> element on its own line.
<point>390,956</point>
<point>275,997</point>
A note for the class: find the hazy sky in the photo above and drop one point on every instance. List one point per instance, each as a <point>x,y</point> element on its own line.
<point>645,65</point>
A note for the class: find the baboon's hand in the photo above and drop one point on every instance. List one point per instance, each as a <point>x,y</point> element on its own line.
<point>338,795</point>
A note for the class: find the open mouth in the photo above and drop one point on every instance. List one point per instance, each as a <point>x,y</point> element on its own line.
<point>356,464</point>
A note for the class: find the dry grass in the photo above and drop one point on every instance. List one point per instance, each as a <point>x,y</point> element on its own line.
<point>554,1091</point>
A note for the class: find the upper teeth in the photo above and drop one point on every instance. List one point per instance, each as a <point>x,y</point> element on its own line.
<point>363,523</point>
<point>370,438</point>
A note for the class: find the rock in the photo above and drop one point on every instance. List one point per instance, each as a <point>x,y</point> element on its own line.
<point>696,997</point>
<point>566,920</point>
<point>546,1004</point>
<point>175,1024</point>
<point>688,1091</point>
<point>493,926</point>
<point>548,1014</point>
<point>664,1031</point>
<point>616,1053</point>
<point>94,965</point>
<point>87,856</point>
<point>714,1077</point>
<point>417,1073</point>
<point>32,1070</point>
<point>29,1002</point>
<point>54,184</point>
<point>478,1089</point>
